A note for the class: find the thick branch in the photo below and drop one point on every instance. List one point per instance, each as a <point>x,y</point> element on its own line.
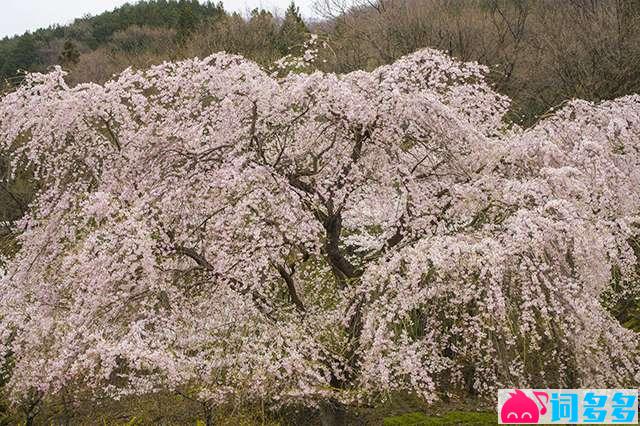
<point>333,227</point>
<point>294,180</point>
<point>397,237</point>
<point>112,135</point>
<point>291,287</point>
<point>258,299</point>
<point>199,259</point>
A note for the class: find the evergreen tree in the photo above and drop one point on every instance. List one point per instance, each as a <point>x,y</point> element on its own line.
<point>187,20</point>
<point>70,54</point>
<point>22,56</point>
<point>293,30</point>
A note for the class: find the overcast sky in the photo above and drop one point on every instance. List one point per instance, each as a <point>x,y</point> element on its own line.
<point>19,16</point>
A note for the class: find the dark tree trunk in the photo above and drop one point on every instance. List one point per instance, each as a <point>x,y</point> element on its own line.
<point>208,414</point>
<point>332,413</point>
<point>31,409</point>
<point>30,419</point>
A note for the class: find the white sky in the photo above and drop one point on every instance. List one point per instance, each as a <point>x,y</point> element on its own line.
<point>19,16</point>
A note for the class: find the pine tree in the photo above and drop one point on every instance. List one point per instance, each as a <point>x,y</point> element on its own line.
<point>293,30</point>
<point>23,55</point>
<point>187,20</point>
<point>69,54</point>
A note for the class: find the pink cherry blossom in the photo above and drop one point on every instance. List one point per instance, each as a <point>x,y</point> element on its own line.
<point>213,227</point>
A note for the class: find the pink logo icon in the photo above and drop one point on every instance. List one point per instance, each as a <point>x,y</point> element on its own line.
<point>519,408</point>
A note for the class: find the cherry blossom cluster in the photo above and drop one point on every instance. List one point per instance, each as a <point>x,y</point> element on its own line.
<point>309,57</point>
<point>207,227</point>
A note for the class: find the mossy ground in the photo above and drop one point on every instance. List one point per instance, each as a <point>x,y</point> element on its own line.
<point>451,418</point>
<point>401,410</point>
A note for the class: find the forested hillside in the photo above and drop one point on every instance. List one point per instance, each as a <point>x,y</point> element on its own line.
<point>63,44</point>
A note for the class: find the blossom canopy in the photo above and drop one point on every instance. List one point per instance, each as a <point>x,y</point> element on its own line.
<point>209,227</point>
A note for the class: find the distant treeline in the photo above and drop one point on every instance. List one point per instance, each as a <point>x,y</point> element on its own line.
<point>44,47</point>
<point>541,52</point>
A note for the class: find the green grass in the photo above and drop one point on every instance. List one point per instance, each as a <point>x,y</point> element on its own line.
<point>452,418</point>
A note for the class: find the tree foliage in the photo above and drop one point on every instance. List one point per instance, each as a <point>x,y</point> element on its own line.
<point>70,54</point>
<point>26,52</point>
<point>209,228</point>
<point>293,31</point>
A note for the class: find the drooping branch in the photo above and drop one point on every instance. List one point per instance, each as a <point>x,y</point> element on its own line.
<point>112,136</point>
<point>259,300</point>
<point>198,258</point>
